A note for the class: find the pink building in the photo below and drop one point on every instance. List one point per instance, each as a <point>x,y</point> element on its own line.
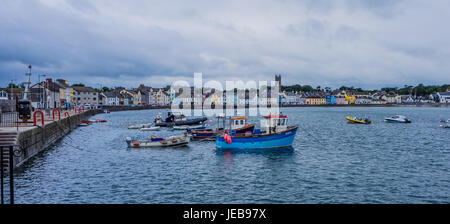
<point>341,100</point>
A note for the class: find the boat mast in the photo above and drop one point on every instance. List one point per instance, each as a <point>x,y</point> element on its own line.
<point>27,87</point>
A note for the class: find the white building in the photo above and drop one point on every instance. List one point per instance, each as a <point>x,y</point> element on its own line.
<point>3,95</point>
<point>444,97</point>
<point>111,98</point>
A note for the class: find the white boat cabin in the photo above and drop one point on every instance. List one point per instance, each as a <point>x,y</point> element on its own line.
<point>238,122</point>
<point>275,123</point>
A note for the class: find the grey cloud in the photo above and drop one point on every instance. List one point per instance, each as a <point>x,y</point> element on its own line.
<point>362,43</point>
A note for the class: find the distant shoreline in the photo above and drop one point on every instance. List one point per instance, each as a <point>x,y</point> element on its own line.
<point>128,108</point>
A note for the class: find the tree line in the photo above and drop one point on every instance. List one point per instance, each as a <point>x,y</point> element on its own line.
<point>419,90</point>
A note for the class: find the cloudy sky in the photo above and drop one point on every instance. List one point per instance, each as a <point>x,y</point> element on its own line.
<point>364,43</point>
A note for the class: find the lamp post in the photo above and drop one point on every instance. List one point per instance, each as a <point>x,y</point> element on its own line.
<point>40,86</point>
<point>12,84</point>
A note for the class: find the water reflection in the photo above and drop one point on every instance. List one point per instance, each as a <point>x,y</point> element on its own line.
<point>264,152</point>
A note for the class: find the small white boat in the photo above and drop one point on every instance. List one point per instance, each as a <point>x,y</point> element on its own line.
<point>186,127</point>
<point>397,119</point>
<point>174,141</point>
<point>140,126</point>
<point>151,129</point>
<point>445,124</point>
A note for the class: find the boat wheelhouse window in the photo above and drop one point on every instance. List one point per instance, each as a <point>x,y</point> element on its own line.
<point>242,122</point>
<point>283,121</point>
<point>236,122</point>
<point>278,122</point>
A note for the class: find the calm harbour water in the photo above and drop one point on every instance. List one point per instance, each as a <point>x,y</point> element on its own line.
<point>332,162</point>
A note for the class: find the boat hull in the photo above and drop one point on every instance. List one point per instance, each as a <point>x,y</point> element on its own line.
<point>352,120</point>
<point>181,123</point>
<point>213,134</point>
<point>397,121</point>
<point>278,140</point>
<point>179,141</point>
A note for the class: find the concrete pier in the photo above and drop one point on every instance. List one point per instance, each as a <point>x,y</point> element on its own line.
<point>31,140</point>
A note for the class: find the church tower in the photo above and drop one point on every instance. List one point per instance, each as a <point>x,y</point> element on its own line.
<point>278,80</point>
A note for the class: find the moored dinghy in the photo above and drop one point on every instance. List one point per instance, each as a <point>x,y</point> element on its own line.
<point>151,129</point>
<point>277,134</point>
<point>140,126</point>
<point>174,141</point>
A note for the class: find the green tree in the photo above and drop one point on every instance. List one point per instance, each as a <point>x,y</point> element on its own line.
<point>12,85</point>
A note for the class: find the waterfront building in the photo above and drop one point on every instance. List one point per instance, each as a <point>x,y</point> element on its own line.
<point>65,93</point>
<point>363,100</point>
<point>84,95</point>
<point>110,98</point>
<point>160,97</point>
<point>172,94</point>
<point>134,95</point>
<point>8,98</point>
<point>313,100</point>
<point>444,97</point>
<point>392,98</point>
<point>341,100</point>
<point>146,94</point>
<point>290,98</point>
<point>407,99</point>
<point>301,100</point>
<point>12,93</point>
<point>3,95</point>
<point>45,95</point>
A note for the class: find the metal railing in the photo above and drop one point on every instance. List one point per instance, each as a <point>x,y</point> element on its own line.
<point>9,119</point>
<point>10,165</point>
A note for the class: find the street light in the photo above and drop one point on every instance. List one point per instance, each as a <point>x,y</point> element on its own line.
<point>12,83</point>
<point>39,96</point>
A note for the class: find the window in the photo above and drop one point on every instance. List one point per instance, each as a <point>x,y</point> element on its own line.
<point>242,122</point>
<point>283,121</point>
<point>94,98</point>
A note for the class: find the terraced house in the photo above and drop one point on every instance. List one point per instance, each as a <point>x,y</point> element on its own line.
<point>84,95</point>
<point>135,95</point>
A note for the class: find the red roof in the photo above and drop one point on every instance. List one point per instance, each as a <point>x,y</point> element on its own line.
<point>276,116</point>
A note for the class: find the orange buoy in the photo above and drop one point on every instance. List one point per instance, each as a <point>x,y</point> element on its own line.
<point>174,141</point>
<point>164,142</point>
<point>136,144</point>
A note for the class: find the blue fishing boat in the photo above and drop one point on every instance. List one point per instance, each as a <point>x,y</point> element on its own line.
<point>277,134</point>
